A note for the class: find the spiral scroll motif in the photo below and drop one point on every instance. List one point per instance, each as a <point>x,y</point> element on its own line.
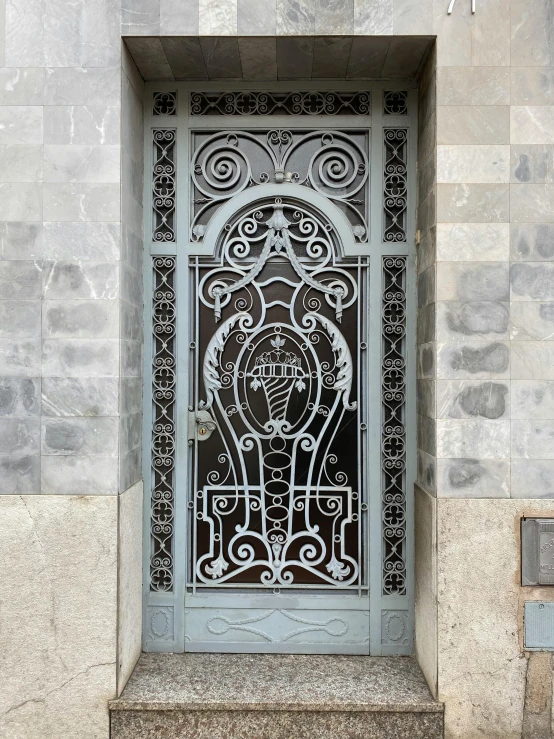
<point>163,185</point>
<point>393,436</point>
<point>396,184</point>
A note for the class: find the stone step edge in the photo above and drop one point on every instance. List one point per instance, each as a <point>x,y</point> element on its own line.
<point>119,704</point>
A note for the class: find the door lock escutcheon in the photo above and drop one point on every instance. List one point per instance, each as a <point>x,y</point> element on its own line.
<point>201,425</point>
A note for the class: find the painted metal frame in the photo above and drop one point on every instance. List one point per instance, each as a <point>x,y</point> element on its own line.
<point>391,616</point>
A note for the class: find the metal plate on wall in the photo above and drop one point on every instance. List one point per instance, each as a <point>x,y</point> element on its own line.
<point>537,551</point>
<point>538,624</point>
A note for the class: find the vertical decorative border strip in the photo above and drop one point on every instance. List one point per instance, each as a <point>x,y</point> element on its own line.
<point>395,184</point>
<point>393,436</point>
<point>163,425</point>
<point>163,185</point>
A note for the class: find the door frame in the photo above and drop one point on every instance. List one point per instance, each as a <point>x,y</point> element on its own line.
<point>391,615</point>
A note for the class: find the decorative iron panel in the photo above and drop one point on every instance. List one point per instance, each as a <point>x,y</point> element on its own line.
<point>163,425</point>
<point>279,489</point>
<point>310,102</point>
<point>395,103</point>
<point>163,185</point>
<point>164,103</point>
<point>394,425</point>
<point>396,184</point>
<point>333,163</point>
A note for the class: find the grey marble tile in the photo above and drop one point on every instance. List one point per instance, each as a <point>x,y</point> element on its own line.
<point>131,321</point>
<point>19,396</point>
<point>218,17</point>
<point>426,324</point>
<point>78,475</point>
<point>80,319</point>
<point>81,202</point>
<point>258,58</point>
<point>532,400</point>
<point>426,287</point>
<point>533,439</point>
<point>21,241</point>
<point>140,17</point>
<point>478,439</point>
<point>473,399</point>
<point>185,58</point>
<point>20,280</point>
<point>473,360</point>
<point>76,242</point>
<point>294,58</point>
<point>532,478</point>
<point>453,32</point>
<point>533,242</point>
<point>83,86</point>
<point>532,281</point>
<point>532,37</point>
<point>331,57</point>
<point>473,86</point>
<point>472,242</point>
<point>131,358</point>
<point>532,85</point>
<point>427,472</point>
<point>20,357</point>
<point>532,360</point>
<point>179,17</point>
<point>473,478</point>
<point>473,164</point>
<point>21,86</point>
<point>405,56</point>
<point>426,398</point>
<point>373,17</point>
<point>532,203</point>
<point>62,33</point>
<point>79,436</point>
<point>80,280</point>
<point>532,164</point>
<point>334,17</point>
<point>222,58</point>
<point>473,124</point>
<point>78,163</point>
<point>21,124</point>
<point>130,431</point>
<point>131,285</point>
<point>19,319</point>
<point>80,358</point>
<point>413,18</point>
<point>19,436</point>
<point>80,396</point>
<point>24,40</point>
<point>130,392</point>
<point>131,249</point>
<point>20,201</point>
<point>475,203</point>
<point>426,360</point>
<point>532,321</point>
<point>427,435</point>
<point>82,124</point>
<point>256,18</point>
<point>367,57</point>
<point>101,36</point>
<point>472,281</point>
<point>149,56</point>
<point>295,17</point>
<point>20,163</point>
<point>532,124</point>
<point>20,474</point>
<point>490,37</point>
<point>459,321</point>
<point>130,468</point>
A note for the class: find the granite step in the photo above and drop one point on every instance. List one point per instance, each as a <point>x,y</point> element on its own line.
<point>257,696</point>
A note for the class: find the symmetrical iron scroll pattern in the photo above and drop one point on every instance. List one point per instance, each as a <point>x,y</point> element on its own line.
<point>311,102</point>
<point>334,163</point>
<point>395,103</point>
<point>164,103</point>
<point>395,184</point>
<point>163,185</point>
<point>279,489</point>
<point>393,440</point>
<point>163,424</point>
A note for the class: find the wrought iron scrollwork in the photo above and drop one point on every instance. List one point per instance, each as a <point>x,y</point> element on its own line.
<point>393,439</point>
<point>311,102</point>
<point>163,425</point>
<point>334,163</point>
<point>395,103</point>
<point>395,184</point>
<point>163,185</point>
<point>164,103</point>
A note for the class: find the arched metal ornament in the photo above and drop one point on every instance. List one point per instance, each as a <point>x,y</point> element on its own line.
<point>278,427</point>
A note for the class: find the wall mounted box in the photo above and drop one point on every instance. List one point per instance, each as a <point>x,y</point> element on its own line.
<point>537,551</point>
<point>538,624</point>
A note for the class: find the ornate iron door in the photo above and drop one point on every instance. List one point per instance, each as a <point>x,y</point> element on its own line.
<point>280,358</point>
